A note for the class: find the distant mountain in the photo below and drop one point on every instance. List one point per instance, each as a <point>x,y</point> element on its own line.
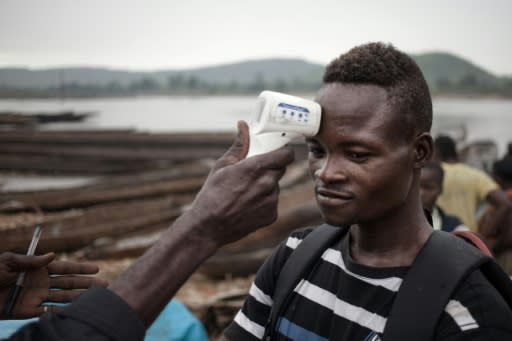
<point>269,70</point>
<point>44,78</point>
<point>444,72</point>
<point>439,67</point>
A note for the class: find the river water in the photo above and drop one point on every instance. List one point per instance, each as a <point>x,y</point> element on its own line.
<point>482,118</point>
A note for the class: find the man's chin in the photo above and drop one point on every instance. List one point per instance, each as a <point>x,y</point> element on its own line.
<point>337,220</point>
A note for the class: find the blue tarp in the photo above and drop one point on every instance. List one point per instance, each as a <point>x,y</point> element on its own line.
<point>176,323</point>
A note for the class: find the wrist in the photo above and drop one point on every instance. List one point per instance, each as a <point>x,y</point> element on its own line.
<point>197,232</point>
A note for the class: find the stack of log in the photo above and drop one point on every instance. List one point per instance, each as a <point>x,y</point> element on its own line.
<point>141,183</point>
<point>121,216</point>
<point>104,152</point>
<point>112,206</point>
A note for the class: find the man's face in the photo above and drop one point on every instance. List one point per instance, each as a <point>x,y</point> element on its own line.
<point>361,164</point>
<point>430,188</point>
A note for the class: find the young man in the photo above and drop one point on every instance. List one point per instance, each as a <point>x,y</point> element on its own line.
<point>465,187</point>
<point>365,162</point>
<point>431,186</point>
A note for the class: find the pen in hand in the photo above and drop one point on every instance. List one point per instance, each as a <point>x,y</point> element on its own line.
<point>15,291</point>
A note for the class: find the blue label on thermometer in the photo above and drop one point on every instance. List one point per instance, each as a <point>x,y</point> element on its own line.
<point>293,107</point>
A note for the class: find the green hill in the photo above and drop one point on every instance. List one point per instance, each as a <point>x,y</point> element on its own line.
<point>268,70</point>
<point>436,66</point>
<point>445,73</point>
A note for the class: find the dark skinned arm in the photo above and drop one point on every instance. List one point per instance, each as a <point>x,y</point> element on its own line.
<point>239,196</point>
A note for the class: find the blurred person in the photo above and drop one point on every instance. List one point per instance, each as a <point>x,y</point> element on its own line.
<point>499,237</point>
<point>365,162</point>
<point>239,196</point>
<point>465,188</point>
<point>431,185</point>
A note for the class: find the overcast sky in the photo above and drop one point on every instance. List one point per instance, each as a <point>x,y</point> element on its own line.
<point>170,34</point>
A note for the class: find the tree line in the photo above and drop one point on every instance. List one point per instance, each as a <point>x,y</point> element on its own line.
<point>175,85</point>
<point>180,84</point>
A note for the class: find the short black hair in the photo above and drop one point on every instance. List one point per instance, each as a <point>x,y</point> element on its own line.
<point>503,168</point>
<point>445,148</point>
<point>383,65</point>
<point>436,168</point>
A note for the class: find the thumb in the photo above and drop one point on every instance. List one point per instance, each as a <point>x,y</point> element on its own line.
<point>239,148</point>
<point>20,263</point>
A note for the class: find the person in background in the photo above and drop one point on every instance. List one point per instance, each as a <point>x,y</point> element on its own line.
<point>431,186</point>
<point>499,238</point>
<point>465,188</point>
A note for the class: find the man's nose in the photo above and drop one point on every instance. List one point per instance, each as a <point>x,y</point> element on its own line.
<point>331,170</point>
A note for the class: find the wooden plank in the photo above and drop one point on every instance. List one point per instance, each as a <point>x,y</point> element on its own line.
<point>87,196</point>
<point>117,138</point>
<point>106,220</point>
<point>122,153</point>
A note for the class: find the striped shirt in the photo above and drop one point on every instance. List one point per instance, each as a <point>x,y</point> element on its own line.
<point>343,300</point>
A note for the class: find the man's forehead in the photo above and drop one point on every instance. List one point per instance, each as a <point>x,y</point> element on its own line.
<point>348,102</point>
<point>354,104</point>
<point>359,110</point>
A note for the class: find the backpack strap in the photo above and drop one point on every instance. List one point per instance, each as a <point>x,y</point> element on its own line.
<point>499,279</point>
<point>475,240</point>
<point>443,262</point>
<point>298,265</point>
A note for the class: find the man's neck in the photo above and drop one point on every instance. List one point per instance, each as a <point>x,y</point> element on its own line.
<point>392,241</point>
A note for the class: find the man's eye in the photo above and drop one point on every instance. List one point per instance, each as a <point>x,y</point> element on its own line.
<point>316,151</point>
<point>358,156</point>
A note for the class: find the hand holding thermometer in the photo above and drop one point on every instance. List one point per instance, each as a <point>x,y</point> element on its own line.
<point>280,118</point>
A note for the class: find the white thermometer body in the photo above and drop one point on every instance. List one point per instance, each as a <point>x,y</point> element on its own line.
<point>280,118</point>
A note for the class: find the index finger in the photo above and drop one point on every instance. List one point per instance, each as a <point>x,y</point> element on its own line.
<point>70,268</point>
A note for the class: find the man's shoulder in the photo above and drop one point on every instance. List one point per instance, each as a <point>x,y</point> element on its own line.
<point>302,232</point>
<point>477,304</point>
<point>325,235</point>
<point>476,311</point>
<point>286,248</point>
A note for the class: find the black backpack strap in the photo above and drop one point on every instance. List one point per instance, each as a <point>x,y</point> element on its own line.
<point>499,279</point>
<point>298,265</point>
<point>443,262</point>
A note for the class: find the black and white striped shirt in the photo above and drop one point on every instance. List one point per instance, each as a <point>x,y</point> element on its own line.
<point>344,300</point>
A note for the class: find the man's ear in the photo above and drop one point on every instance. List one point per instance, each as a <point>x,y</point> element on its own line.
<point>423,149</point>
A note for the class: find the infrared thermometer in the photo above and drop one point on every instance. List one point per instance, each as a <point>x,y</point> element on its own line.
<point>280,118</point>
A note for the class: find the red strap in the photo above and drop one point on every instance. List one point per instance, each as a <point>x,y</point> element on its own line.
<point>475,240</point>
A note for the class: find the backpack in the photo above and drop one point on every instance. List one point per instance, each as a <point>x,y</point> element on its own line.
<point>453,255</point>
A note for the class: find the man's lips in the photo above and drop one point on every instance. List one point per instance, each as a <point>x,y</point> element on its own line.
<point>328,196</point>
